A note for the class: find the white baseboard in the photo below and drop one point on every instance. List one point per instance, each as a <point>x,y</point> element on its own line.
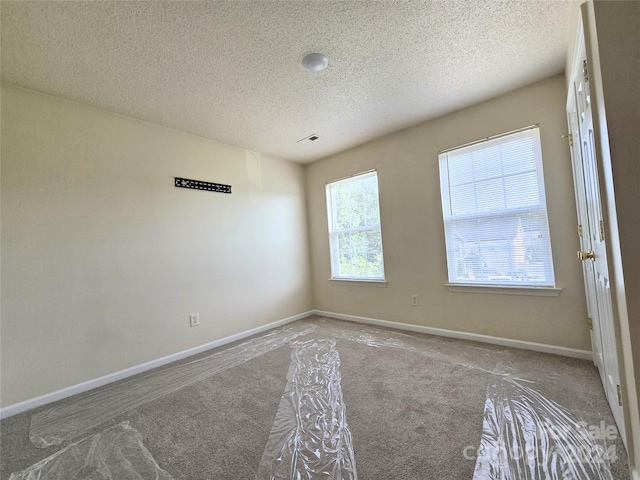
<point>635,475</point>
<point>20,407</point>
<point>476,337</point>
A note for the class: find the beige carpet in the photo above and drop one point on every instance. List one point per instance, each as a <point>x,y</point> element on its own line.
<point>339,400</point>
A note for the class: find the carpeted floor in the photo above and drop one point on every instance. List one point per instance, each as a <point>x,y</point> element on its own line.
<point>410,406</point>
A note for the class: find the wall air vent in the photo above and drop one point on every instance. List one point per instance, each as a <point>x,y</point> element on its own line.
<point>309,139</point>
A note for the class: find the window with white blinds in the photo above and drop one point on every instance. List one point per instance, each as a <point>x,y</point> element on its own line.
<point>495,213</point>
<point>355,238</point>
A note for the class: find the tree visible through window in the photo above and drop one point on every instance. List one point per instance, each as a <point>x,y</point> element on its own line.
<point>355,238</point>
<point>495,212</point>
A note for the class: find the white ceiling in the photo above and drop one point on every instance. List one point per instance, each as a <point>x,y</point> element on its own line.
<point>231,71</point>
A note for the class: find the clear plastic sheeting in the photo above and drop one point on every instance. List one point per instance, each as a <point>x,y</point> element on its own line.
<point>475,357</point>
<point>310,437</point>
<point>527,433</point>
<point>536,425</point>
<point>115,454</point>
<point>75,417</point>
<point>527,436</point>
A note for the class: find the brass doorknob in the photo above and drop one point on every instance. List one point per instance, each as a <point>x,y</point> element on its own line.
<point>590,255</point>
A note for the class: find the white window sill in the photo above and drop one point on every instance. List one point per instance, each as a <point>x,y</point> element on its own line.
<point>504,289</point>
<point>357,281</point>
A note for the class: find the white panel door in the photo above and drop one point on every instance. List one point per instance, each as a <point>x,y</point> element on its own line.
<point>593,241</point>
<point>584,234</point>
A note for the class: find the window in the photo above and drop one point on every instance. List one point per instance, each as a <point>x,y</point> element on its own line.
<point>355,239</point>
<point>495,213</point>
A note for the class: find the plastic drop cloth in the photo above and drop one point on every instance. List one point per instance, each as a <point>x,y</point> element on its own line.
<point>115,454</point>
<point>75,417</point>
<point>463,354</point>
<point>533,428</point>
<point>528,436</point>
<point>310,437</point>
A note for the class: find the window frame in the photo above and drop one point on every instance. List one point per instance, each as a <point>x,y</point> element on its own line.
<point>510,286</point>
<point>333,232</point>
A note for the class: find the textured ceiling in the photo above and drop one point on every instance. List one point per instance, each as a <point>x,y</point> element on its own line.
<point>231,71</point>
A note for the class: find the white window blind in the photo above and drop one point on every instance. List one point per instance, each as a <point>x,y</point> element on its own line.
<point>495,213</point>
<point>355,239</point>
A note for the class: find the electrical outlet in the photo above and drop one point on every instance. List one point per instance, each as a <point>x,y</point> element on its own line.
<point>414,301</point>
<point>194,319</point>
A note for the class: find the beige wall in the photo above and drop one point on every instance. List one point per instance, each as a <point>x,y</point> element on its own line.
<point>413,232</point>
<point>616,68</point>
<point>103,259</point>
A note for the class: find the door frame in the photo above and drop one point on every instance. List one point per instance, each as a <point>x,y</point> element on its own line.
<point>586,173</point>
<point>587,27</point>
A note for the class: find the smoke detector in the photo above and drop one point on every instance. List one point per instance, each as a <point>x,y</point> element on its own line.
<point>315,62</point>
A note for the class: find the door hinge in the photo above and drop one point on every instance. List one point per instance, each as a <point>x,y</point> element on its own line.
<point>579,230</point>
<point>590,323</point>
<point>585,71</point>
<point>619,395</point>
<point>601,231</point>
<point>569,137</point>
